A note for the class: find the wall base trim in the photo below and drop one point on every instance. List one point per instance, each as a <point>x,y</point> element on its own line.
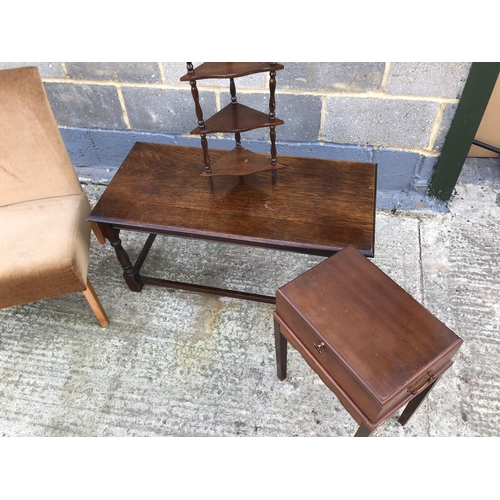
<point>403,176</point>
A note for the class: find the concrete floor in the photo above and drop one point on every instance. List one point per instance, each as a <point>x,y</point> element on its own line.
<point>175,363</point>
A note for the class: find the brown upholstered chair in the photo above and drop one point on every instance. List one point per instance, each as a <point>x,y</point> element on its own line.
<point>44,234</point>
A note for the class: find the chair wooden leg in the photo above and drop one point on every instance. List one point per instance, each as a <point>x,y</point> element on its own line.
<point>95,304</point>
<point>98,234</point>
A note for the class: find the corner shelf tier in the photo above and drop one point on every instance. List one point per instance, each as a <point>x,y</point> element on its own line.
<point>241,161</point>
<point>229,70</point>
<point>236,118</point>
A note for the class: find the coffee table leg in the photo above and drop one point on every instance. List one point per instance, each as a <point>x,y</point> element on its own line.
<point>129,273</point>
<point>414,403</point>
<point>363,431</point>
<point>281,351</point>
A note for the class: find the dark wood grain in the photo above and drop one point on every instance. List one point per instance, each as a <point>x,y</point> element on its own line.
<point>236,117</point>
<point>129,272</point>
<point>191,287</point>
<point>363,431</point>
<point>272,129</point>
<point>206,161</point>
<point>272,135</point>
<point>229,70</point>
<point>281,345</point>
<point>413,405</point>
<point>318,207</point>
<point>377,342</point>
<point>272,98</point>
<point>197,106</point>
<point>232,89</point>
<point>344,398</point>
<point>241,161</point>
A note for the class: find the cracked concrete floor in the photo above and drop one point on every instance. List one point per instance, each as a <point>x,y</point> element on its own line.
<point>176,363</point>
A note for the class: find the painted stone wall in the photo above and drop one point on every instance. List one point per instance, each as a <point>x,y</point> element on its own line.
<point>395,114</point>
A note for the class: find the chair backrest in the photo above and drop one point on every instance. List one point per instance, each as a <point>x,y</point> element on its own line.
<point>34,162</point>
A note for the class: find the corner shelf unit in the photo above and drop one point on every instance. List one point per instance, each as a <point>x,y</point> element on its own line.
<point>235,118</point>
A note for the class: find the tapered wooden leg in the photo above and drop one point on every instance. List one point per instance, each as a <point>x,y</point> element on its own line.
<point>98,234</point>
<point>363,431</point>
<point>95,304</point>
<point>412,406</point>
<point>281,351</point>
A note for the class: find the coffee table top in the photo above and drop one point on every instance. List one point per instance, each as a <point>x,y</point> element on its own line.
<point>317,206</point>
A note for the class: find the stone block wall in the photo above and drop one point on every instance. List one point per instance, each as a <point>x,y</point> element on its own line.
<point>395,114</point>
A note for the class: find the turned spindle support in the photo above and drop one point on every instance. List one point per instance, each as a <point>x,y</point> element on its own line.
<point>201,126</point>
<point>272,129</point>
<point>232,89</point>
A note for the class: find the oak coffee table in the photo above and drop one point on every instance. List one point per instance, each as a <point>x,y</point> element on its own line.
<point>317,207</point>
<point>369,341</point>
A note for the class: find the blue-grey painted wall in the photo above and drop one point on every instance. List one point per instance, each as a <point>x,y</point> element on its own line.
<point>394,114</point>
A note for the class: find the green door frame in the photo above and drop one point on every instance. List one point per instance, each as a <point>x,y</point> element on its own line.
<point>470,111</point>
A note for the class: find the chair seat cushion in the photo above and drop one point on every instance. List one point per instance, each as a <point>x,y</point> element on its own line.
<point>44,248</point>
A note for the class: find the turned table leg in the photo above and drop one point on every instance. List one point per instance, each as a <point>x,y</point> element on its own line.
<point>281,351</point>
<point>129,272</point>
